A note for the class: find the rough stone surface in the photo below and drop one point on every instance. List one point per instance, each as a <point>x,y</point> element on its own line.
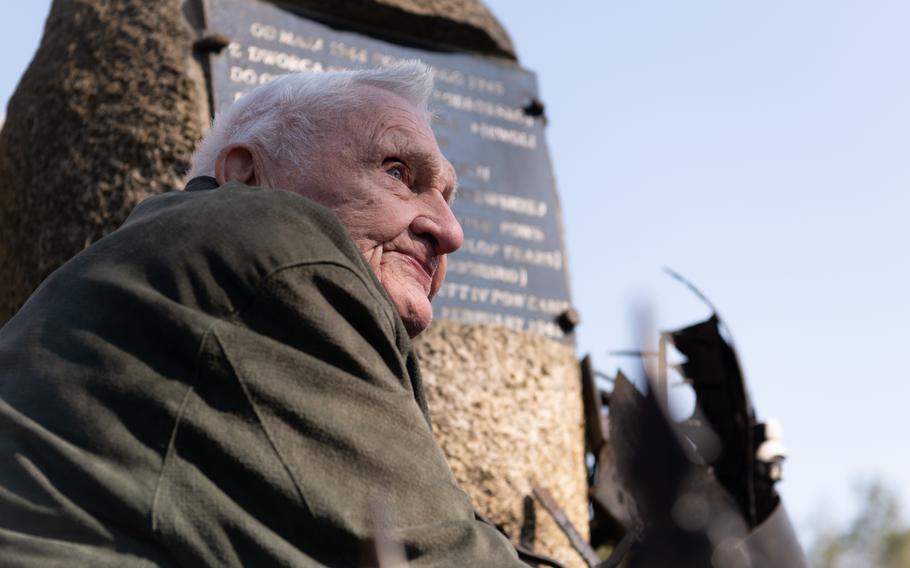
<point>454,25</point>
<point>507,410</point>
<point>107,113</point>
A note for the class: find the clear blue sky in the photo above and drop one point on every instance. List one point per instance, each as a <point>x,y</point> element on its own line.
<point>759,148</point>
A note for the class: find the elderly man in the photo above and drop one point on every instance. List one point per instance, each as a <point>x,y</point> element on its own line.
<point>228,378</point>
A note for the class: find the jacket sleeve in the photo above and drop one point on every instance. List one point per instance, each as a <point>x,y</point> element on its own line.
<point>301,440</point>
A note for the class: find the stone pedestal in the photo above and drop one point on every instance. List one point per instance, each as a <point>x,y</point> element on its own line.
<point>507,410</point>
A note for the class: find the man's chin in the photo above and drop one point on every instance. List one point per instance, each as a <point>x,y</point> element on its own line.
<point>415,328</point>
<point>416,315</point>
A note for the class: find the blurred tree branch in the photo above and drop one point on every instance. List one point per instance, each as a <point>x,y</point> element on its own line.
<point>874,537</point>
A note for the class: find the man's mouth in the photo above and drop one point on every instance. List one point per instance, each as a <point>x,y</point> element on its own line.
<point>426,265</point>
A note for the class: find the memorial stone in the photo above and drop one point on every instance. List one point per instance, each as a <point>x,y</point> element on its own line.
<point>121,90</point>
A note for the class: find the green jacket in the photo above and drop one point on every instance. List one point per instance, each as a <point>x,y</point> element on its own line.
<point>222,381</point>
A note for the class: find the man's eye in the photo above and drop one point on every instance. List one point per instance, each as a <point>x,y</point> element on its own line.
<point>397,171</point>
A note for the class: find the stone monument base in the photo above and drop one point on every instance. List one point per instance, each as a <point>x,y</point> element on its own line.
<point>507,410</point>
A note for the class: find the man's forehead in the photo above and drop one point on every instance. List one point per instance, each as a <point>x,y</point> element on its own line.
<point>395,125</point>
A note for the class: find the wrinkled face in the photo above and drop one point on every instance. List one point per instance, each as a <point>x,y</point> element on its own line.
<point>381,170</point>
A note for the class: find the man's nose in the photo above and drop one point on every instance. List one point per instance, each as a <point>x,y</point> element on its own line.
<point>439,223</point>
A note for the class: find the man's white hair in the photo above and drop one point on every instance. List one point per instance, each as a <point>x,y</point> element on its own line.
<point>285,117</point>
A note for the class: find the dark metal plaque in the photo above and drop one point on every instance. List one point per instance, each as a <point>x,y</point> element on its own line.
<point>512,269</point>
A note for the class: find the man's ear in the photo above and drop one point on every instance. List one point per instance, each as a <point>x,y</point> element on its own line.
<point>238,162</point>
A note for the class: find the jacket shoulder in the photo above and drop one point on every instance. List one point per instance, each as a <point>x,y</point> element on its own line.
<point>213,247</point>
<point>290,226</point>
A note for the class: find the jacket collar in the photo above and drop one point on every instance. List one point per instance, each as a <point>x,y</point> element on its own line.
<point>201,183</point>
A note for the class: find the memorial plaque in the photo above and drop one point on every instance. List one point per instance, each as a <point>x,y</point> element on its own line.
<point>512,269</point>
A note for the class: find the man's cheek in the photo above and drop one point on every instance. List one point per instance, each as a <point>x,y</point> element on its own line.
<point>438,277</point>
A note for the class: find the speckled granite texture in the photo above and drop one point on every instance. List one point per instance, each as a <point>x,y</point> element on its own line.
<point>108,113</point>
<point>506,408</point>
